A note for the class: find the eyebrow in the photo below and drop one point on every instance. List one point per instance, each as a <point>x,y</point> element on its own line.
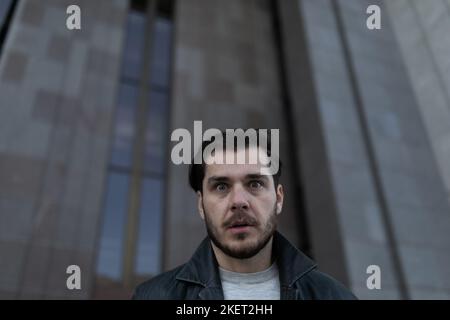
<point>256,176</point>
<point>215,179</point>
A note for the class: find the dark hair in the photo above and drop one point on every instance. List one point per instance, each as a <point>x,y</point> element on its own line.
<point>197,171</point>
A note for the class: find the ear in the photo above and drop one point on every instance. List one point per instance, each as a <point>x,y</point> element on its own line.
<point>200,205</point>
<point>280,198</point>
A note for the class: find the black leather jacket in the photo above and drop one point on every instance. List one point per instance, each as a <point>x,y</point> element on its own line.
<point>199,277</point>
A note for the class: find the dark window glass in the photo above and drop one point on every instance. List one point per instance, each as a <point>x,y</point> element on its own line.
<point>148,255</point>
<point>156,133</point>
<point>161,54</point>
<point>7,8</point>
<point>138,5</point>
<point>125,125</point>
<point>112,234</point>
<point>4,8</point>
<point>135,42</point>
<point>165,8</point>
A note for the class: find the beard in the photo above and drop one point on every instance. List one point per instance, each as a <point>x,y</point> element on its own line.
<point>243,250</point>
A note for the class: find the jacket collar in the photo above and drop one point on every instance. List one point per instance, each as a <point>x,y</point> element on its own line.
<point>202,268</point>
<point>292,263</point>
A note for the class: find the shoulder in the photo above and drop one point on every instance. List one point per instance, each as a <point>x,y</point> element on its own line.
<point>158,287</point>
<point>319,285</point>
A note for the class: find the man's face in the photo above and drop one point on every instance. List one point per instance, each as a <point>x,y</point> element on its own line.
<point>240,207</point>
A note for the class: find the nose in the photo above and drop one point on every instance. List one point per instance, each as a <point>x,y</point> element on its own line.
<point>239,199</point>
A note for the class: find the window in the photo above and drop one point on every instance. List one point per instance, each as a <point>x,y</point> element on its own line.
<point>7,8</point>
<point>131,232</point>
<point>4,8</point>
<point>111,246</point>
<point>148,244</point>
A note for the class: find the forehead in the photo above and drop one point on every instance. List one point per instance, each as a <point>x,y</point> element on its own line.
<point>236,170</point>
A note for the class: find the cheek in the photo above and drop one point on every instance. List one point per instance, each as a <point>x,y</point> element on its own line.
<point>267,201</point>
<point>266,204</point>
<point>215,207</point>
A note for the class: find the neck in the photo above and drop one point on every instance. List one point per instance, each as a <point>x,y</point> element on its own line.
<point>259,262</point>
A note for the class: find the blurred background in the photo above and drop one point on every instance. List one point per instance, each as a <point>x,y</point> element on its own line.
<point>86,117</point>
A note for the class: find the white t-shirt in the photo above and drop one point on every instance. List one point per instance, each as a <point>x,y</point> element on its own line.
<point>263,285</point>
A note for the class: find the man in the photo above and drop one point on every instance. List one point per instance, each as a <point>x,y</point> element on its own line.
<point>243,256</point>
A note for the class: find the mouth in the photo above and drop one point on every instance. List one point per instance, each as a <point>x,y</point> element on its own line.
<point>240,227</point>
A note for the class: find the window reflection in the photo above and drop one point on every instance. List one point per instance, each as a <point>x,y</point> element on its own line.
<point>111,244</point>
<point>161,52</point>
<point>135,42</point>
<point>125,126</point>
<point>156,133</point>
<point>148,253</point>
<point>4,8</point>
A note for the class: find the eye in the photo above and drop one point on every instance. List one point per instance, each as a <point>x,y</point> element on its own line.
<point>221,187</point>
<point>255,184</point>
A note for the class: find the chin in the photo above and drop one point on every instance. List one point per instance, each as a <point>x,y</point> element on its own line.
<point>243,246</point>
